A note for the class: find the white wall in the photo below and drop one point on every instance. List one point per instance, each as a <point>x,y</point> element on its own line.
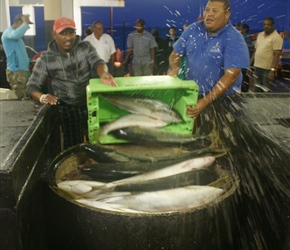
<point>4,15</point>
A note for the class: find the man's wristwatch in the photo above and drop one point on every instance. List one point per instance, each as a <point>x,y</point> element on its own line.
<point>273,69</point>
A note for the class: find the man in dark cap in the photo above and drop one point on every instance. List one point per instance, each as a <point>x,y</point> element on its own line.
<point>17,59</point>
<point>143,56</point>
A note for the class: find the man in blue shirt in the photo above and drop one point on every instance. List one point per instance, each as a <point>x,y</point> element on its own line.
<point>17,58</point>
<point>215,54</point>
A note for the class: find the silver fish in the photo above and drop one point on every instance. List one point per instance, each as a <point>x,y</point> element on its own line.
<point>154,135</point>
<point>106,206</point>
<point>169,171</point>
<point>145,106</point>
<point>79,186</point>
<point>132,120</point>
<point>167,200</point>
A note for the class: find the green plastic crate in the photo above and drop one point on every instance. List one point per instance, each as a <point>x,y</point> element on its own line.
<point>178,94</point>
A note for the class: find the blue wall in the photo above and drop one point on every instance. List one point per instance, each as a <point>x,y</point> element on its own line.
<point>164,13</point>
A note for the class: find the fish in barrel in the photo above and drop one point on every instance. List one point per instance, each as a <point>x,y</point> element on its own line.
<point>167,200</point>
<point>167,177</point>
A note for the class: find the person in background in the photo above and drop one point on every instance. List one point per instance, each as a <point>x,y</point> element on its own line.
<point>141,44</point>
<point>88,31</point>
<point>3,80</point>
<point>245,32</point>
<point>266,55</point>
<point>67,64</point>
<point>244,29</point>
<point>160,54</point>
<point>185,26</point>
<point>182,69</point>
<point>17,70</point>
<point>170,40</point>
<point>104,45</point>
<point>215,54</point>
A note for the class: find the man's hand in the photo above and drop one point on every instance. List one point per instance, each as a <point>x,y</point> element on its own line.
<point>172,72</point>
<point>271,76</point>
<point>25,19</point>
<point>193,112</point>
<point>108,79</point>
<point>48,99</point>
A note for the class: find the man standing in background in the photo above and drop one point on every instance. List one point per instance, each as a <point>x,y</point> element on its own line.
<point>244,29</point>
<point>141,44</point>
<point>265,58</point>
<point>104,45</point>
<point>170,40</point>
<point>17,59</point>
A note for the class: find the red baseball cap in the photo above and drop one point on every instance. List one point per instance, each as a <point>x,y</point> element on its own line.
<point>63,23</point>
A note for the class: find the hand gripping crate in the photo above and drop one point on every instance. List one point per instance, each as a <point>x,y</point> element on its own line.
<point>175,92</point>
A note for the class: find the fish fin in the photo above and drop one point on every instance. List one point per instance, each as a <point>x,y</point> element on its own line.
<point>220,182</point>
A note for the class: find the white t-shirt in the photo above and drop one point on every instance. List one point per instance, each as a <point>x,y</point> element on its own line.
<point>105,46</point>
<point>265,45</point>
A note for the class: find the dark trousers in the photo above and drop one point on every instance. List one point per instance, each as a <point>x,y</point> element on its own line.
<point>261,77</point>
<point>246,81</point>
<point>73,122</point>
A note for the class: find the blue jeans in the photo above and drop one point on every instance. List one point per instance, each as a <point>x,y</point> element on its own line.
<point>261,77</point>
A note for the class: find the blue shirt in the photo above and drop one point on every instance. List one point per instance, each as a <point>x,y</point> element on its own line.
<point>207,56</point>
<point>14,47</point>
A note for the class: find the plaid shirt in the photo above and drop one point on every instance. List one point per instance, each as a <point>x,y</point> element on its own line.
<point>69,74</point>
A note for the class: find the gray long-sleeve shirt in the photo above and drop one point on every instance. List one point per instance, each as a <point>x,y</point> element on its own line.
<point>69,74</point>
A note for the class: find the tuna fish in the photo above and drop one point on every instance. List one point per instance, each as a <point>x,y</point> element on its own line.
<point>154,135</point>
<point>79,186</point>
<point>103,154</point>
<point>150,177</point>
<point>106,206</point>
<point>167,200</point>
<point>108,172</point>
<point>145,106</point>
<point>132,120</point>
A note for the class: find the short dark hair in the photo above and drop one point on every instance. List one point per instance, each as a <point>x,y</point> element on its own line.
<point>96,22</point>
<point>245,27</point>
<point>141,21</point>
<point>18,18</point>
<point>227,5</point>
<point>155,32</point>
<point>172,27</point>
<point>269,19</point>
<point>88,31</point>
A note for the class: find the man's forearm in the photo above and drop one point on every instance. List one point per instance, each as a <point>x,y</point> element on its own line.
<point>223,85</point>
<point>174,60</point>
<point>101,69</point>
<point>276,58</point>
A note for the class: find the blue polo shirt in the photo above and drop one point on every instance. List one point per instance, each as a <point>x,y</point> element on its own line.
<point>207,56</point>
<point>14,47</point>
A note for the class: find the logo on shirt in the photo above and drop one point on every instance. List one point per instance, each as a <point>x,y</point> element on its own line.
<point>215,48</point>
